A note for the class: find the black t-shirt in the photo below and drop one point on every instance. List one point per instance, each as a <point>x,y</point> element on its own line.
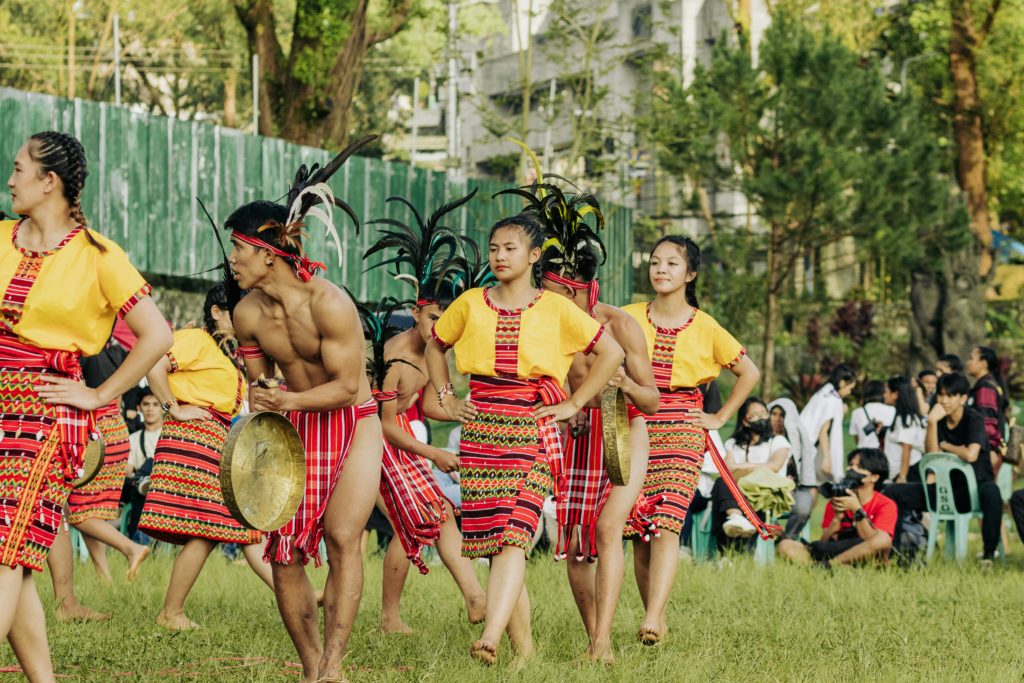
<point>970,429</point>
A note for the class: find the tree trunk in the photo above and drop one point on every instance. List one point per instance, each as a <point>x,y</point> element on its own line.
<point>948,309</point>
<point>231,98</point>
<point>771,315</point>
<point>967,129</point>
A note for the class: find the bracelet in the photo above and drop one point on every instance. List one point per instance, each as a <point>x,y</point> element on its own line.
<point>446,390</point>
<point>167,406</point>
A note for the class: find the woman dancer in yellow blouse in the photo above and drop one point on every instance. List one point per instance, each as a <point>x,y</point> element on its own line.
<point>63,285</point>
<point>516,342</point>
<point>688,348</point>
<point>201,388</point>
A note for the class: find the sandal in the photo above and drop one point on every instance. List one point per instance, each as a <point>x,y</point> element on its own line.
<point>648,636</point>
<point>485,653</point>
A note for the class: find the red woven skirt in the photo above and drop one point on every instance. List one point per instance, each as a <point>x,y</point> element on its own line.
<point>100,498</point>
<point>676,456</point>
<point>327,438</point>
<point>505,463</point>
<point>587,488</point>
<point>184,499</point>
<point>413,498</point>
<point>41,447</point>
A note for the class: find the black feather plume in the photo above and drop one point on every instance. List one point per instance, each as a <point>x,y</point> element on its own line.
<point>234,293</point>
<point>378,330</point>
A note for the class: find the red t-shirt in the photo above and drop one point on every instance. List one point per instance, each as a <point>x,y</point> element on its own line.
<point>880,510</point>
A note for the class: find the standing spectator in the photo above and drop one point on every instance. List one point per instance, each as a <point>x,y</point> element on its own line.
<point>956,428</point>
<point>822,417</point>
<point>142,445</point>
<point>868,421</point>
<point>904,437</point>
<point>947,364</point>
<point>785,419</point>
<point>752,447</point>
<point>989,398</point>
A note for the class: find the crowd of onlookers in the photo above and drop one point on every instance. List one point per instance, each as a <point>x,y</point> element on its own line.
<point>876,499</point>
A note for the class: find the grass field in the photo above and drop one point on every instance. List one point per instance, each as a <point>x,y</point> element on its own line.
<point>740,622</point>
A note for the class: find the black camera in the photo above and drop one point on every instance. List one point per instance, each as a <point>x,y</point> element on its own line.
<point>844,487</point>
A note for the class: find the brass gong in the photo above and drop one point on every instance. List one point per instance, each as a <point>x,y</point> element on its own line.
<point>263,471</point>
<point>615,432</point>
<point>92,461</point>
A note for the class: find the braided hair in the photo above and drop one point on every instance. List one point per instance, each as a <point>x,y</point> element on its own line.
<point>534,233</point>
<point>218,296</point>
<point>64,156</point>
<point>692,253</point>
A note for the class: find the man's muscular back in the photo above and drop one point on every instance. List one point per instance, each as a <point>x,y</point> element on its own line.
<point>312,334</point>
<point>628,334</point>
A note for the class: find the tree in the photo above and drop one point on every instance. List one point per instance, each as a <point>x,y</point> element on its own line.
<point>814,140</point>
<point>306,94</point>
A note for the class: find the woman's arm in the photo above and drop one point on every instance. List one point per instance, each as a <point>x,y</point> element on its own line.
<point>904,462</point>
<point>455,408</point>
<point>824,445</point>
<point>398,437</point>
<point>154,340</point>
<point>747,377</point>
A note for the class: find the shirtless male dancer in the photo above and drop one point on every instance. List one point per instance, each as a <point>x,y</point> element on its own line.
<point>310,331</point>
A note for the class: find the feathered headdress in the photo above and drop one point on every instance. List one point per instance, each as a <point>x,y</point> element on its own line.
<point>232,290</point>
<point>471,271</point>
<point>307,192</point>
<point>378,330</point>
<point>571,246</point>
<point>431,252</point>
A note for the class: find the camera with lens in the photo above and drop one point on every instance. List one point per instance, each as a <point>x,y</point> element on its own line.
<point>844,487</point>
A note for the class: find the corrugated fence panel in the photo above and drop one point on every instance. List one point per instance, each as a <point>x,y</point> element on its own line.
<point>146,171</point>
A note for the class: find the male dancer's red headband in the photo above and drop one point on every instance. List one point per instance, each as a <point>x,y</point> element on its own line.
<point>593,289</point>
<point>305,269</point>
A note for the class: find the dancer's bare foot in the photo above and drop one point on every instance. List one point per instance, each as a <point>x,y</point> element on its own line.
<point>176,622</point>
<point>135,560</point>
<point>484,652</point>
<point>601,653</point>
<point>395,625</point>
<point>476,606</point>
<point>524,653</point>
<point>76,612</point>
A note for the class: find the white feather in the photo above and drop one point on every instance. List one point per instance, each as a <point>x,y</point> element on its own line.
<point>326,195</point>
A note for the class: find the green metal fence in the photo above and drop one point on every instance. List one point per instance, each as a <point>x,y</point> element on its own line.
<point>145,172</point>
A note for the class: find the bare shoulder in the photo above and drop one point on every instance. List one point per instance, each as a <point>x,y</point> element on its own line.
<point>248,311</point>
<point>620,324</point>
<point>328,298</point>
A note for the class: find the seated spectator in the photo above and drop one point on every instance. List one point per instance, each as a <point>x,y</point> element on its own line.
<point>956,428</point>
<point>948,364</point>
<point>904,436</point>
<point>785,419</point>
<point>752,447</point>
<point>924,387</point>
<point>873,415</point>
<point>866,519</point>
<point>141,446</point>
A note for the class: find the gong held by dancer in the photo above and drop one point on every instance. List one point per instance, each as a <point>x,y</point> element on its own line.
<point>597,500</point>
<point>309,329</point>
<point>63,285</point>
<point>688,348</point>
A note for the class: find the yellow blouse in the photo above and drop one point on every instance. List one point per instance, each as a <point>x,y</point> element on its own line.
<point>700,350</point>
<point>65,299</point>
<point>201,375</point>
<point>542,338</point>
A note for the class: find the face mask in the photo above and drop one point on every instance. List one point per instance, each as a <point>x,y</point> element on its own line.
<point>760,427</point>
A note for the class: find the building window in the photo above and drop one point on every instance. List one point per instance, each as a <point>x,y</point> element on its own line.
<point>642,21</point>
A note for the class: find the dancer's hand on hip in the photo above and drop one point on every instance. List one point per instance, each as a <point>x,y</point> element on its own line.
<point>61,390</point>
<point>559,412</point>
<point>704,420</point>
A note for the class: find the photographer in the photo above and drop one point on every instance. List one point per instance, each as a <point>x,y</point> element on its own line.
<point>868,421</point>
<point>956,428</point>
<point>866,519</point>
